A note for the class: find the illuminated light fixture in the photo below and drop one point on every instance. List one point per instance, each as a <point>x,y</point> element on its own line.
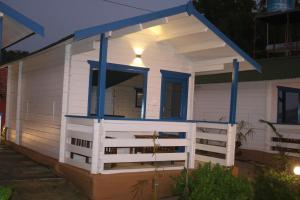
<point>138,51</point>
<point>137,61</point>
<point>297,170</point>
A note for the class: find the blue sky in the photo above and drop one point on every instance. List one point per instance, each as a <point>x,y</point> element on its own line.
<point>62,17</point>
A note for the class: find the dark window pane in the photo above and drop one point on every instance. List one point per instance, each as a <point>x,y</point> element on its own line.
<point>280,107</point>
<point>288,106</point>
<point>93,92</point>
<point>173,102</point>
<point>291,107</point>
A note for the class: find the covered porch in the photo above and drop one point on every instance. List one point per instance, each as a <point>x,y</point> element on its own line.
<point>159,54</point>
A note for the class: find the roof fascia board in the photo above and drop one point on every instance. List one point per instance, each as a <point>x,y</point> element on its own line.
<point>192,11</point>
<point>20,18</point>
<point>88,32</point>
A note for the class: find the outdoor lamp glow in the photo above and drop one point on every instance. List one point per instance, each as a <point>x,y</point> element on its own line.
<point>297,170</point>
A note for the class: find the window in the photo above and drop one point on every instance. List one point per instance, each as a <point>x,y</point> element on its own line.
<point>288,105</point>
<point>125,91</point>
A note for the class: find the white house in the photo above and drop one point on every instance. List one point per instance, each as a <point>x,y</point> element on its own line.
<point>272,96</point>
<point>103,98</point>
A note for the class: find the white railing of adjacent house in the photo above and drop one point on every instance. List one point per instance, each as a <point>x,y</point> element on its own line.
<point>215,143</point>
<point>290,140</point>
<point>121,146</point>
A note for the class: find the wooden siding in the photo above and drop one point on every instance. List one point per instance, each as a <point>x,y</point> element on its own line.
<point>156,56</point>
<point>256,100</point>
<point>212,104</point>
<point>12,83</point>
<point>41,101</point>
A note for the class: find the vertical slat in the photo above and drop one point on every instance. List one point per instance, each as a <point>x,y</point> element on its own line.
<point>67,65</point>
<point>19,104</point>
<point>192,146</point>
<point>95,149</point>
<point>8,99</point>
<point>230,147</point>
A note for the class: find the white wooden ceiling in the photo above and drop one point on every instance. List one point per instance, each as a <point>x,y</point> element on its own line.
<point>192,39</point>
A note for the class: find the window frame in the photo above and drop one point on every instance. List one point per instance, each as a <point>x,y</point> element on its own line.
<point>121,68</point>
<point>284,90</point>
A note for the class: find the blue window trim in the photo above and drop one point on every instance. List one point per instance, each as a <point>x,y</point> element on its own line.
<point>188,8</point>
<point>121,68</point>
<point>20,18</point>
<point>234,92</point>
<point>176,77</point>
<point>284,89</point>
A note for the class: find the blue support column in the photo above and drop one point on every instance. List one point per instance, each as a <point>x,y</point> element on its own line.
<point>234,90</point>
<point>102,75</point>
<point>1,37</point>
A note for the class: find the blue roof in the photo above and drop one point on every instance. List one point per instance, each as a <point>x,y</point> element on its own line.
<point>186,8</point>
<point>20,18</point>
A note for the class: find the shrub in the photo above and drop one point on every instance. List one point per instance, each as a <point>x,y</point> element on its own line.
<point>5,193</point>
<point>277,186</point>
<point>209,182</point>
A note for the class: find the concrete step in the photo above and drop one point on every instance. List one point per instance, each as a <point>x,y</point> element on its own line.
<point>43,189</point>
<point>32,181</point>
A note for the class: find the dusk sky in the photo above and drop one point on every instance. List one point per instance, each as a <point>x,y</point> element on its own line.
<point>62,17</point>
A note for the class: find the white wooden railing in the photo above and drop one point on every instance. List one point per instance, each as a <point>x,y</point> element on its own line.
<point>79,142</point>
<point>120,146</point>
<point>290,140</point>
<point>215,142</point>
<point>139,135</point>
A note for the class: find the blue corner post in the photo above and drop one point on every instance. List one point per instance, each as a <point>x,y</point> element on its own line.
<point>102,75</point>
<point>234,90</point>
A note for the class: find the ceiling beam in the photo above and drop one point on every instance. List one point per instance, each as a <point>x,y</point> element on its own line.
<point>170,35</point>
<point>200,46</point>
<point>218,61</point>
<point>208,68</point>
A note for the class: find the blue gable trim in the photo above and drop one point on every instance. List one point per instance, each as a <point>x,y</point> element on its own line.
<point>25,21</point>
<point>192,11</point>
<point>188,8</point>
<point>85,33</point>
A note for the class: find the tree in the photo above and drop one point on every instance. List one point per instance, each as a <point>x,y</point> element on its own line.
<point>233,17</point>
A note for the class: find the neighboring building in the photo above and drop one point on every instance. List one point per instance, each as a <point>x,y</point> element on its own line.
<point>272,96</point>
<point>102,98</point>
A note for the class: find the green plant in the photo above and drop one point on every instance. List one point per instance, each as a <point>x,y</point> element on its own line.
<point>243,131</point>
<point>5,193</point>
<point>277,186</point>
<point>210,182</point>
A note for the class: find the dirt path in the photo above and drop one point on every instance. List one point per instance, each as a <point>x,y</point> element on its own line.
<point>32,181</point>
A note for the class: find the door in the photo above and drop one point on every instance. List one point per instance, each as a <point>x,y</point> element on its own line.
<point>174,96</point>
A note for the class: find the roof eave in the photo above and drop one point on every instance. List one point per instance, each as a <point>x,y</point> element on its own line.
<point>188,8</point>
<point>20,18</point>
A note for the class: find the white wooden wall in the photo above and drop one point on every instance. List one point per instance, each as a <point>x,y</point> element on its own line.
<point>212,103</point>
<point>120,99</point>
<point>11,103</point>
<point>256,100</point>
<point>156,56</point>
<point>40,102</point>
